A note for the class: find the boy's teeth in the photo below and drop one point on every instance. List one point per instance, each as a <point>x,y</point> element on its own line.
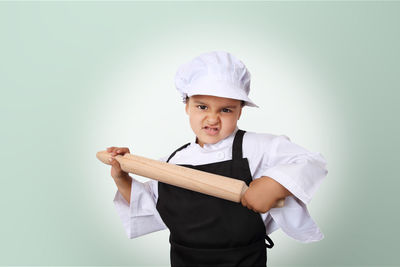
<point>211,128</point>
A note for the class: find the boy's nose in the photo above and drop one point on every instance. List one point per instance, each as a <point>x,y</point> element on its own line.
<point>212,119</point>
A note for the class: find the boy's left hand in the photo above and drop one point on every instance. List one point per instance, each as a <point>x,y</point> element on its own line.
<point>263,193</point>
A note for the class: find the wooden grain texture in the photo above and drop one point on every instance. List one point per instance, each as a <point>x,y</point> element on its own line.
<point>188,178</point>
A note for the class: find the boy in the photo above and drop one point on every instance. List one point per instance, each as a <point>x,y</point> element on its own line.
<point>204,230</point>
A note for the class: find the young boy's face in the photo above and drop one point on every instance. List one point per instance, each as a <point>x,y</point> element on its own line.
<point>212,118</point>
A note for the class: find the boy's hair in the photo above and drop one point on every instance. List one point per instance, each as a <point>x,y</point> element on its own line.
<point>242,103</point>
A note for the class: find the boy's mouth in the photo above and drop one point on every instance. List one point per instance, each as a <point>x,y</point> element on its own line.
<point>211,130</point>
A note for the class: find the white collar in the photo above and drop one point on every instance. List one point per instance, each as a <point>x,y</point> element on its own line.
<point>227,141</point>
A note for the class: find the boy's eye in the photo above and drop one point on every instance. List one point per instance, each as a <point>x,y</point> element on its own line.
<point>226,110</point>
<point>202,107</point>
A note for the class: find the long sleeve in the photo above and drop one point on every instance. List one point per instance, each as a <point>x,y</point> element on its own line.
<point>301,172</point>
<point>140,216</point>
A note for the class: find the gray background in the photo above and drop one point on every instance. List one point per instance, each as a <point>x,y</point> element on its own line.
<point>78,77</point>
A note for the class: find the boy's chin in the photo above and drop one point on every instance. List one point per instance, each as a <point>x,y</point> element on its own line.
<point>211,140</point>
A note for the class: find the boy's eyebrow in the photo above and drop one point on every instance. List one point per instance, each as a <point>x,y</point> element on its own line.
<point>201,103</point>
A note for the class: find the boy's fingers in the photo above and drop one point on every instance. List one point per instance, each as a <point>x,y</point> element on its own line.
<point>117,150</point>
<point>244,202</point>
<point>113,151</point>
<point>121,151</point>
<point>115,164</point>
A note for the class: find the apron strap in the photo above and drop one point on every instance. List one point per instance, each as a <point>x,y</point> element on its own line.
<point>173,154</point>
<point>270,243</point>
<point>237,145</point>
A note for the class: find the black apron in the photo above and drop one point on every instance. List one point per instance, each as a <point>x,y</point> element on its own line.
<point>209,231</point>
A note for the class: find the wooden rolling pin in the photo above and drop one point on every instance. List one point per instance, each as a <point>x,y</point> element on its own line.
<point>188,178</point>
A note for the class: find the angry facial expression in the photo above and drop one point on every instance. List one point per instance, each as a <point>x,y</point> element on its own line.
<point>212,118</point>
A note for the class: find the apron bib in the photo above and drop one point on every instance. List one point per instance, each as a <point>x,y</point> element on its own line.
<point>209,231</point>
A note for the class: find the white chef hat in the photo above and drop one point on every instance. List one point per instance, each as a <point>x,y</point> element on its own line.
<point>216,73</point>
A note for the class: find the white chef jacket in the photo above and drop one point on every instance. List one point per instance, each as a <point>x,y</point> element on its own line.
<point>275,156</point>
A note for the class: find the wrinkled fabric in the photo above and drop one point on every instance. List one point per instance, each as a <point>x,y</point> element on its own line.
<point>216,73</point>
<point>275,156</point>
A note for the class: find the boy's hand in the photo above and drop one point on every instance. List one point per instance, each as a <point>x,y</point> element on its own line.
<point>116,172</point>
<point>263,193</point>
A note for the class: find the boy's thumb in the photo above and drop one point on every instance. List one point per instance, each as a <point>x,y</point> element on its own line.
<point>114,163</point>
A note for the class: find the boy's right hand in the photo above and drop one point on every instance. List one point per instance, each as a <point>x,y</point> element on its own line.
<point>116,172</point>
